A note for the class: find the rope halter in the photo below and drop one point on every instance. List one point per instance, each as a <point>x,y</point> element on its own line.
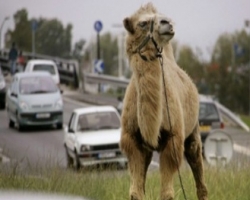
<point>146,40</point>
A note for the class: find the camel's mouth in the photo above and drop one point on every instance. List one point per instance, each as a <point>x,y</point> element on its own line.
<point>167,33</point>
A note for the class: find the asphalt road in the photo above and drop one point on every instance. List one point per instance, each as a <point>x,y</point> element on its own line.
<point>41,148</point>
<point>36,148</point>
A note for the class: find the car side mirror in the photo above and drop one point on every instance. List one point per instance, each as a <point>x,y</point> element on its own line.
<point>13,94</point>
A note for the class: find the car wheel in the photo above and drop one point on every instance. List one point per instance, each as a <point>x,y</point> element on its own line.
<point>59,126</point>
<point>11,123</point>
<point>76,163</point>
<point>70,160</point>
<point>21,128</point>
<point>2,106</point>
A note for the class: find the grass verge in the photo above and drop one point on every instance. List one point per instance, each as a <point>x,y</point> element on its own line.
<point>229,183</point>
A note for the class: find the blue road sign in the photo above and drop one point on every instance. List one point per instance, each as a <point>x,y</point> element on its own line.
<point>98,26</point>
<point>99,66</point>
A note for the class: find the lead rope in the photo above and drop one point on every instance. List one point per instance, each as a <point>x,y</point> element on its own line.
<point>170,125</point>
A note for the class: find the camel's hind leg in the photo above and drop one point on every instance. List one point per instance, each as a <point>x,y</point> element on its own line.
<point>139,159</point>
<point>193,153</point>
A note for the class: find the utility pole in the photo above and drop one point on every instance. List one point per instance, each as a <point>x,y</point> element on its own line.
<point>1,27</point>
<point>120,50</point>
<point>247,24</point>
<point>33,27</point>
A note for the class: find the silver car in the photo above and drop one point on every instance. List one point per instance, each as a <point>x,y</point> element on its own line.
<point>34,99</point>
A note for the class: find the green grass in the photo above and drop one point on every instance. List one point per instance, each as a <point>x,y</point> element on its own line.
<point>229,183</point>
<point>246,119</point>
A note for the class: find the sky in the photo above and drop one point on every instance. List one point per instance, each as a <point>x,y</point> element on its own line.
<point>198,23</point>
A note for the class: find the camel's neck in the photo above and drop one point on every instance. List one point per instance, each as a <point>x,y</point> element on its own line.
<point>149,86</point>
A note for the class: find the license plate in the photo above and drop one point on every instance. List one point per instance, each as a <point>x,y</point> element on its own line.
<point>43,115</point>
<point>107,155</point>
<point>205,128</point>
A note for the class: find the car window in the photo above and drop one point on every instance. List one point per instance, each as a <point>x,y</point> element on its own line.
<point>45,67</point>
<point>208,111</point>
<point>98,120</point>
<point>37,85</point>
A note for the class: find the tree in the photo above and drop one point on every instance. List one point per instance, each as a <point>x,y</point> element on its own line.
<point>108,51</point>
<point>77,52</point>
<point>51,38</point>
<point>228,79</point>
<point>21,34</point>
<point>193,66</point>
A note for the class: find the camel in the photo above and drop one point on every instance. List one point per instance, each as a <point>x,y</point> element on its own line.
<point>161,106</point>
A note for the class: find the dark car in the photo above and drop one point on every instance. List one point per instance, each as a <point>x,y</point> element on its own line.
<point>209,117</point>
<point>2,90</point>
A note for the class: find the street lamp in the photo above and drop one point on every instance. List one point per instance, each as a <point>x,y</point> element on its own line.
<point>120,50</point>
<point>1,27</point>
<point>247,24</point>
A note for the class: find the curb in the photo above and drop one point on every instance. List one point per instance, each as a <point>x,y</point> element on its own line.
<point>3,159</point>
<point>1,156</point>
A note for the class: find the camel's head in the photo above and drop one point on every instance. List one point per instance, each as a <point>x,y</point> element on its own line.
<point>147,23</point>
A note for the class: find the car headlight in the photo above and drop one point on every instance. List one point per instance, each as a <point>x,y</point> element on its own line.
<point>2,85</point>
<point>23,105</point>
<point>85,148</point>
<point>59,104</point>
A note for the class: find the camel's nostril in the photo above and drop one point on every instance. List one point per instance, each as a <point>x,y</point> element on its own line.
<point>164,22</point>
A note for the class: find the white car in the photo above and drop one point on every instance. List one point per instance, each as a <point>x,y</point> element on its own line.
<point>92,137</point>
<point>44,65</point>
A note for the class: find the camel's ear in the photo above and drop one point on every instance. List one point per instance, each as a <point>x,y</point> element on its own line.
<point>128,25</point>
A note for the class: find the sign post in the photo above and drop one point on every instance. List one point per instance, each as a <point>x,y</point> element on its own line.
<point>98,28</point>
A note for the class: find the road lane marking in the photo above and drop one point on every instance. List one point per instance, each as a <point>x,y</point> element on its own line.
<point>242,149</point>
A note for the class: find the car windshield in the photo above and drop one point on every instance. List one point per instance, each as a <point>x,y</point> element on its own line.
<point>208,111</point>
<point>45,67</point>
<point>98,120</point>
<point>37,85</point>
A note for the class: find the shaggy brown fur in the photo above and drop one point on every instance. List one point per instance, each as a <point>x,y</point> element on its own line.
<point>145,122</point>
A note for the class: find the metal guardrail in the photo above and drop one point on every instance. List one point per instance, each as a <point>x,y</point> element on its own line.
<point>105,79</point>
<point>68,69</point>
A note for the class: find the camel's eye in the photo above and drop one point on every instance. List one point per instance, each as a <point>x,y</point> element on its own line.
<point>143,24</point>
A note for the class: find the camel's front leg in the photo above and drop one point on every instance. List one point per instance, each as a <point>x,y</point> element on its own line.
<point>170,159</point>
<point>138,161</point>
<point>193,155</point>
